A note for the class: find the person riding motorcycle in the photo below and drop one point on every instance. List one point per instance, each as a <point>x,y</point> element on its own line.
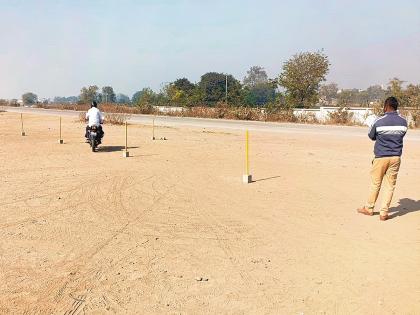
<point>95,118</point>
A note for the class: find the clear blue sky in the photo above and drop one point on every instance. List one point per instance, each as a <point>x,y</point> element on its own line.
<point>54,47</point>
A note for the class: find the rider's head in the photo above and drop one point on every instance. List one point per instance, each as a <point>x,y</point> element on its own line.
<point>94,104</point>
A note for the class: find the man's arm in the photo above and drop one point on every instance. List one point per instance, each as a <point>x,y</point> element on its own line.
<point>372,132</point>
<point>406,126</point>
<point>101,117</point>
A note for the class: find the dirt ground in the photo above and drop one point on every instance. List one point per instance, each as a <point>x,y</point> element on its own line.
<point>172,229</point>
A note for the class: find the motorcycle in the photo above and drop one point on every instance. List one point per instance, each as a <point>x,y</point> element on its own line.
<point>94,137</point>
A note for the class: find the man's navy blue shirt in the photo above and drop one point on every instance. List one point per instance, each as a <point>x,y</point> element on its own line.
<point>388,131</point>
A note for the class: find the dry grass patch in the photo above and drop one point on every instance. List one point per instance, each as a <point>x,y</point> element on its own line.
<point>110,118</point>
<point>116,118</point>
<point>340,117</point>
<point>82,117</point>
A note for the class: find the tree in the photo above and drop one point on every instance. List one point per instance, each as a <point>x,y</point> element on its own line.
<point>122,99</point>
<point>63,99</point>
<point>328,93</point>
<point>258,90</point>
<point>145,97</point>
<point>395,88</point>
<point>412,95</point>
<point>136,96</point>
<point>362,98</point>
<point>161,98</point>
<point>175,95</point>
<point>89,94</point>
<point>355,97</point>
<point>259,95</point>
<point>184,85</point>
<point>29,98</point>
<point>179,93</point>
<point>347,98</point>
<point>145,100</point>
<point>301,77</point>
<point>212,89</point>
<point>256,75</point>
<point>108,95</point>
<point>375,93</point>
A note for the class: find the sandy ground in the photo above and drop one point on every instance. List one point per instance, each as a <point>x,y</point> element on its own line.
<point>94,233</point>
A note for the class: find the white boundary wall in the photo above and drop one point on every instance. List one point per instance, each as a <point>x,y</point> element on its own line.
<point>363,115</point>
<point>169,109</point>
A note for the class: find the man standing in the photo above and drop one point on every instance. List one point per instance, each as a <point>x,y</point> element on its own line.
<point>388,131</point>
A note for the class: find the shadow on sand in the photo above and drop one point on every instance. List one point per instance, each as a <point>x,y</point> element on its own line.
<point>268,178</point>
<point>405,206</point>
<point>113,148</point>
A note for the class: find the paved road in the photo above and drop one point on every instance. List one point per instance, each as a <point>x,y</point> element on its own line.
<point>205,123</point>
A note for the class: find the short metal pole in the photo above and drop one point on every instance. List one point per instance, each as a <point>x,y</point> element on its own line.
<point>125,153</point>
<point>21,121</point>
<point>61,139</point>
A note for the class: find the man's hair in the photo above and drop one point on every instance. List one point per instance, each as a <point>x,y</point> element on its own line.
<point>94,104</point>
<point>392,102</point>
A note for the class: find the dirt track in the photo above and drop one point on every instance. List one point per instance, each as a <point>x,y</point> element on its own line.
<point>84,232</point>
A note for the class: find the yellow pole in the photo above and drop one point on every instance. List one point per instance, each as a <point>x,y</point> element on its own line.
<point>247,152</point>
<point>153,129</point>
<point>60,128</point>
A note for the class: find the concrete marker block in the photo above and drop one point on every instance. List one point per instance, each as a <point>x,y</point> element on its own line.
<point>247,179</point>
